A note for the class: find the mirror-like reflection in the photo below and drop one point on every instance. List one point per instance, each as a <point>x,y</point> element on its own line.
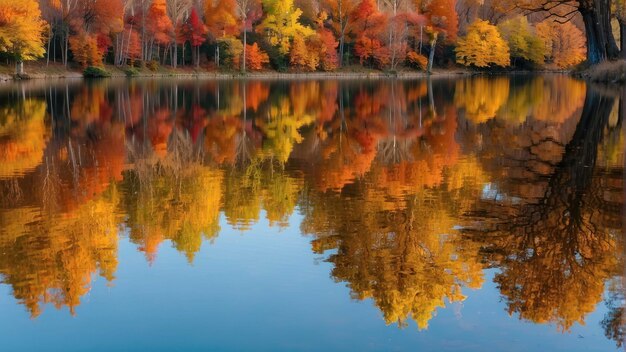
<point>410,189</point>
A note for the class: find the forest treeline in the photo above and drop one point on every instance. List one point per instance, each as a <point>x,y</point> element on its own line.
<point>310,35</point>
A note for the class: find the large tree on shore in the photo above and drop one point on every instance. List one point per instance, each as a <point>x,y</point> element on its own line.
<point>596,15</point>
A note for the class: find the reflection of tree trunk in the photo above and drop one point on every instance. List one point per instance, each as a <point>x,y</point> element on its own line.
<point>570,184</point>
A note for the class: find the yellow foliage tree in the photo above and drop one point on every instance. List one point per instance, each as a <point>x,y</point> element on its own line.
<point>482,46</point>
<point>21,31</point>
<point>23,137</point>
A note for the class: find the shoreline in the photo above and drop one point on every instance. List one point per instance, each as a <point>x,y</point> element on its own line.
<point>58,72</point>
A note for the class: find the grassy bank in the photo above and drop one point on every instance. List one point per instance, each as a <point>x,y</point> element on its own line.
<point>606,72</point>
<point>39,70</point>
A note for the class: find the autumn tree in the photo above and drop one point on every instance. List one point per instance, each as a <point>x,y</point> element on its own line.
<point>247,11</point>
<point>92,27</point>
<point>328,50</point>
<point>298,56</point>
<point>368,27</point>
<point>442,22</point>
<point>281,24</point>
<point>176,10</point>
<point>523,42</point>
<point>85,50</point>
<point>221,21</point>
<point>21,31</point>
<point>256,57</point>
<point>159,29</point>
<point>402,26</point>
<point>482,46</point>
<point>596,16</point>
<point>564,43</point>
<point>195,32</point>
<point>340,12</point>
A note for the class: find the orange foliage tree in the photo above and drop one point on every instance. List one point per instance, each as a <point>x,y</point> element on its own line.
<point>256,57</point>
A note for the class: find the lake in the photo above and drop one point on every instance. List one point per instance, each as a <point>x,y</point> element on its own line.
<point>458,214</point>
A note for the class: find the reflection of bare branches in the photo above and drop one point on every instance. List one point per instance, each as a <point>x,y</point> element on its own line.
<point>556,250</point>
<point>393,151</point>
<point>613,322</point>
<point>245,149</point>
<point>181,157</point>
<point>10,192</point>
<point>51,186</point>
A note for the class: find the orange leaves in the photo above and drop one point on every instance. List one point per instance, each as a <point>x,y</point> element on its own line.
<point>443,18</point>
<point>565,43</point>
<point>85,50</point>
<point>159,25</point>
<point>221,18</point>
<point>418,60</point>
<point>315,51</point>
<point>329,60</point>
<point>255,57</point>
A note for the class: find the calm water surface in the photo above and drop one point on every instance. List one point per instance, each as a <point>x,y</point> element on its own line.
<point>480,214</point>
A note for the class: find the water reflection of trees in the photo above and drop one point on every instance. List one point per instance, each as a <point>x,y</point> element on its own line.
<point>557,243</point>
<point>384,174</point>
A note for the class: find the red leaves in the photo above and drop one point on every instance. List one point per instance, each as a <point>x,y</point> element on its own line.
<point>369,24</point>
<point>193,30</point>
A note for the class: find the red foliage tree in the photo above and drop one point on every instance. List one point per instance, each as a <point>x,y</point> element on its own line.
<point>194,31</point>
<point>368,26</point>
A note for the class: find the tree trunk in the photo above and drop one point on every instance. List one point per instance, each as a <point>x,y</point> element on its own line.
<point>601,45</point>
<point>341,46</point>
<point>175,54</point>
<point>245,43</point>
<point>431,55</point>
<point>622,39</point>
<point>50,34</point>
<point>65,46</point>
<point>19,67</point>
<point>197,56</point>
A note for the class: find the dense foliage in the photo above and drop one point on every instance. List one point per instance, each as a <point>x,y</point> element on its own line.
<point>310,35</point>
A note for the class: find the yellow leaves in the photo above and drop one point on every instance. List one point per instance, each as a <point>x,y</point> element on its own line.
<point>482,46</point>
<point>51,257</point>
<point>281,130</point>
<point>523,40</point>
<point>551,99</point>
<point>21,29</point>
<point>23,137</point>
<point>178,200</point>
<point>281,24</point>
